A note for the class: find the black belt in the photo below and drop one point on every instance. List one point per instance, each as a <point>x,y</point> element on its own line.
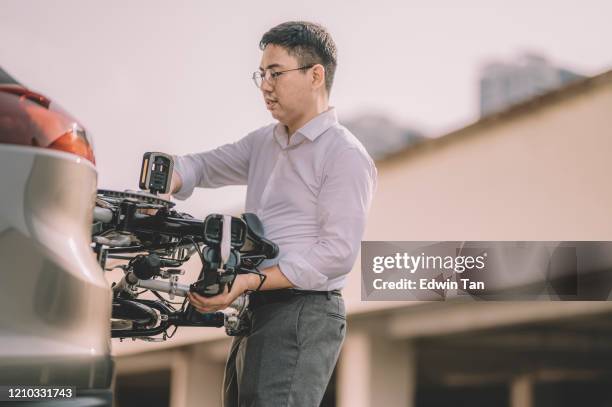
<point>259,298</point>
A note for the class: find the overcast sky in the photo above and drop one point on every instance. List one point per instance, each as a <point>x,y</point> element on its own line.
<point>174,76</point>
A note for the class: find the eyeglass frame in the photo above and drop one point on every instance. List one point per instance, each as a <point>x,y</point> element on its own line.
<point>274,75</point>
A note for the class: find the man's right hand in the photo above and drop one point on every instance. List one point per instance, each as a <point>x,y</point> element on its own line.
<point>175,185</point>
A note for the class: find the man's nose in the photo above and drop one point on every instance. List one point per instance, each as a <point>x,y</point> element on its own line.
<point>265,86</point>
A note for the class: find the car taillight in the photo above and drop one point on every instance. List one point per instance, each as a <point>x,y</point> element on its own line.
<point>75,143</point>
<point>28,118</point>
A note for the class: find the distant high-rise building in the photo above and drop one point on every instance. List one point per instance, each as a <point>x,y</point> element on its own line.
<point>503,84</point>
<point>380,135</point>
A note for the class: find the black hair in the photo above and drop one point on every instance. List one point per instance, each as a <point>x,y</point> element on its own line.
<point>310,43</point>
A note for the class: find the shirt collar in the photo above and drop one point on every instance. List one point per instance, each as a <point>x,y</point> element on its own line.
<point>311,130</point>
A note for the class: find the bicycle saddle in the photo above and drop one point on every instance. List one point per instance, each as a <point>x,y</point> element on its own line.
<point>255,234</point>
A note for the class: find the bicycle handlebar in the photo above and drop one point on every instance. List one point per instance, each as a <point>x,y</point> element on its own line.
<point>165,237</point>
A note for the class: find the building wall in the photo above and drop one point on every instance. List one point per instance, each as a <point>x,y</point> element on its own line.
<point>539,175</point>
<point>544,175</point>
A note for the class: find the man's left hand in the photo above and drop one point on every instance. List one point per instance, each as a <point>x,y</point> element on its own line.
<point>242,283</point>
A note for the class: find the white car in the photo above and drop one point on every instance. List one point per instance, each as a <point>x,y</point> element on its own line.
<point>55,302</point>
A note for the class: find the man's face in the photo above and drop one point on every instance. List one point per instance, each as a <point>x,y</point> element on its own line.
<point>291,93</point>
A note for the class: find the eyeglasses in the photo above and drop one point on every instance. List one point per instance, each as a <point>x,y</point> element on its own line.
<point>270,76</point>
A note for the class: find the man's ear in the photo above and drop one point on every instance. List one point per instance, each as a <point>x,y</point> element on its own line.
<point>318,76</point>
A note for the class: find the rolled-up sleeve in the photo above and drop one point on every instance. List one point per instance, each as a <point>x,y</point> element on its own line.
<point>225,165</point>
<point>343,204</point>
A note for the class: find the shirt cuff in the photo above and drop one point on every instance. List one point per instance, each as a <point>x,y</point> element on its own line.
<point>300,273</point>
<point>187,175</point>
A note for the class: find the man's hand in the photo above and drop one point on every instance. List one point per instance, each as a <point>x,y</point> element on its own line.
<point>275,280</point>
<point>242,283</point>
<point>175,185</point>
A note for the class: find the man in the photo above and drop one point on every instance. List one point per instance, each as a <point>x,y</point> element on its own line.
<point>311,183</point>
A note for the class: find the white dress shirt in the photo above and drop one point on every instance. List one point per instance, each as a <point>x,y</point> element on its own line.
<point>312,193</point>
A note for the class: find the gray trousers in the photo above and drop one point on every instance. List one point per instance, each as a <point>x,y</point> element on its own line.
<point>289,355</point>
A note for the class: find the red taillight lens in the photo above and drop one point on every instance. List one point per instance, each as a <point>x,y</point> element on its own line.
<point>74,143</point>
<point>27,118</point>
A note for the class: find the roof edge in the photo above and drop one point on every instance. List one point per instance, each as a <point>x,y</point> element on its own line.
<point>520,109</point>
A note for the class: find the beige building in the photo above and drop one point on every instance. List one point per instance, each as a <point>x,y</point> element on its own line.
<point>538,171</point>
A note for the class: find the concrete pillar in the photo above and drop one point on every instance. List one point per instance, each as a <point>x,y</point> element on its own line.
<point>195,381</point>
<point>521,391</point>
<point>179,373</point>
<point>376,371</point>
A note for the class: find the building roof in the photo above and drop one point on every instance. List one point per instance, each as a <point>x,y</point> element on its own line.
<point>530,106</point>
